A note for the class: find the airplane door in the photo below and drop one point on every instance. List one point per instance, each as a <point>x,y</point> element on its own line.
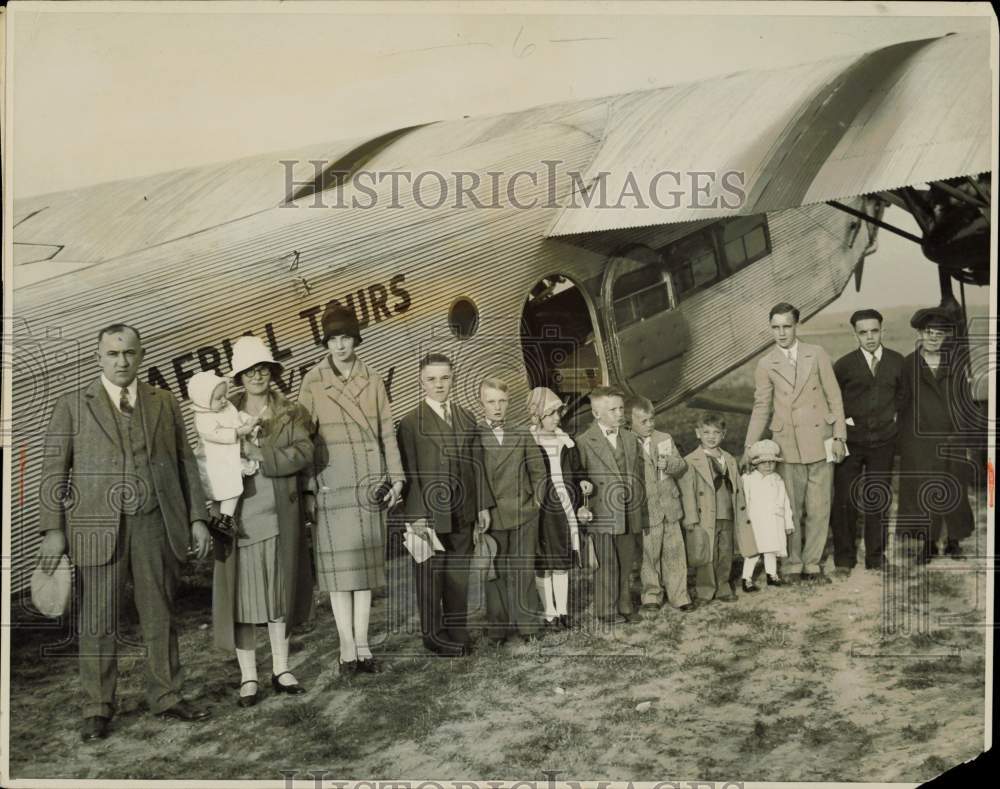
<point>647,335</point>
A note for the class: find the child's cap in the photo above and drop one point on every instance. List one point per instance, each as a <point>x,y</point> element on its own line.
<point>201,386</point>
<point>765,450</point>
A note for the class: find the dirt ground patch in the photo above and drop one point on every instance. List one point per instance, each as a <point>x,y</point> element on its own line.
<point>801,683</point>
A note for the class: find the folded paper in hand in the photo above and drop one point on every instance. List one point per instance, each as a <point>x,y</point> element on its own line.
<point>828,446</point>
<point>421,548</point>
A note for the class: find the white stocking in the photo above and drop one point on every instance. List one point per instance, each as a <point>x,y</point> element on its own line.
<point>770,563</point>
<point>362,614</point>
<point>546,593</point>
<point>560,591</point>
<point>343,613</point>
<point>279,651</point>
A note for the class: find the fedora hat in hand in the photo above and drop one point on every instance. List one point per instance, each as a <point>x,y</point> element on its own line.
<point>50,594</point>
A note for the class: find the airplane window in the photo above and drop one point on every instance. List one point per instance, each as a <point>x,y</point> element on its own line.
<point>705,269</point>
<point>463,318</point>
<point>640,291</point>
<point>744,241</point>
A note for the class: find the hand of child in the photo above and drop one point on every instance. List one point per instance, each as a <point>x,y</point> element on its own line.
<point>586,487</point>
<point>584,515</point>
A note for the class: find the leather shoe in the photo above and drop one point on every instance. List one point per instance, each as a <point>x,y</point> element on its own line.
<point>447,649</point>
<point>294,689</point>
<point>632,617</point>
<point>650,608</point>
<point>564,622</point>
<point>749,586</point>
<point>185,711</point>
<point>251,699</point>
<point>347,667</point>
<point>774,580</point>
<point>612,619</point>
<point>688,606</point>
<point>94,728</point>
<point>729,598</point>
<point>842,572</point>
<point>369,665</point>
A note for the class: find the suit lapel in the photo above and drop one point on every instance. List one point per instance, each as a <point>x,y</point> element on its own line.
<point>431,426</point>
<point>781,365</point>
<point>100,407</point>
<point>150,406</point>
<point>602,448</point>
<point>700,461</point>
<point>803,364</point>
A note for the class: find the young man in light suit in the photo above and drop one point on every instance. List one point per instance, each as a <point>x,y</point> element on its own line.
<point>515,473</point>
<point>446,493</point>
<point>612,457</point>
<point>797,395</point>
<point>121,494</point>
<point>664,564</point>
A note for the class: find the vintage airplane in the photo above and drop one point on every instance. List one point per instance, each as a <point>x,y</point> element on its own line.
<point>638,239</point>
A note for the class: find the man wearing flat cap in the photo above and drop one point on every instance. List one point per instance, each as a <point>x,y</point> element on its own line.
<point>871,382</point>
<point>121,494</point>
<point>933,433</point>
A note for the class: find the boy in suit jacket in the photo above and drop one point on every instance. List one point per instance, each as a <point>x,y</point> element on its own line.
<point>613,460</point>
<point>120,447</point>
<point>664,563</point>
<point>514,472</point>
<point>712,493</point>
<point>446,493</point>
<point>874,392</point>
<point>797,395</point>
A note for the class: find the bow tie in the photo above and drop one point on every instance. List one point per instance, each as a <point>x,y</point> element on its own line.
<point>495,425</point>
<point>610,431</point>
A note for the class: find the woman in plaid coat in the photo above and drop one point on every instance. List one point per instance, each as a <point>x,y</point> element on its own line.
<point>358,476</point>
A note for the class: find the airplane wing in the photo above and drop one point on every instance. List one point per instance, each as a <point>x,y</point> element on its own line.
<point>900,115</point>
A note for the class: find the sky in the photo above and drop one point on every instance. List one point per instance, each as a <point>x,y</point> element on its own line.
<point>97,94</point>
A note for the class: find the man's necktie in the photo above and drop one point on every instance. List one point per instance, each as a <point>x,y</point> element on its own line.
<point>124,403</point>
<point>446,410</point>
<point>874,366</point>
<point>791,360</point>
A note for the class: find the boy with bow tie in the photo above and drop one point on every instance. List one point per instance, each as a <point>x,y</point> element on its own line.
<point>613,460</point>
<point>514,471</point>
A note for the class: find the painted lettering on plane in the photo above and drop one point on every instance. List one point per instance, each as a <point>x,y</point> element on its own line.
<point>370,303</point>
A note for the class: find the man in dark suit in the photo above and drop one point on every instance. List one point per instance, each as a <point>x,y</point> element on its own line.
<point>873,389</point>
<point>120,485</point>
<point>515,473</point>
<point>613,459</point>
<point>446,494</point>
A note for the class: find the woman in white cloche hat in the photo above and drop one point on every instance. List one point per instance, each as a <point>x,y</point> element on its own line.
<point>264,578</point>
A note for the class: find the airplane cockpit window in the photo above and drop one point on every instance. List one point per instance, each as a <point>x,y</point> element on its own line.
<point>745,240</point>
<point>693,263</point>
<point>641,289</point>
<point>716,252</point>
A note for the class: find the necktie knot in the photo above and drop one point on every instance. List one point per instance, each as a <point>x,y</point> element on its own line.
<point>124,402</point>
<point>495,425</point>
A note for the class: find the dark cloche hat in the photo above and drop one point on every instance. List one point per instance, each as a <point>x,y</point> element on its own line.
<point>340,320</point>
<point>928,316</point>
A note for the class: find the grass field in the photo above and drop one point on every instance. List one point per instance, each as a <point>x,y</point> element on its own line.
<point>873,678</point>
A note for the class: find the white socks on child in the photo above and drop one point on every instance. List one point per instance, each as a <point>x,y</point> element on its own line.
<point>247,658</point>
<point>553,589</point>
<point>750,562</point>
<point>342,604</point>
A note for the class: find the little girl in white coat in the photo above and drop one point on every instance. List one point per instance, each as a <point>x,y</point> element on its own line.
<point>221,429</point>
<point>769,512</point>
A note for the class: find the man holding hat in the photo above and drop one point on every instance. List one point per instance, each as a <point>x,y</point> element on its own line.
<point>933,472</point>
<point>121,494</point>
<point>871,381</point>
